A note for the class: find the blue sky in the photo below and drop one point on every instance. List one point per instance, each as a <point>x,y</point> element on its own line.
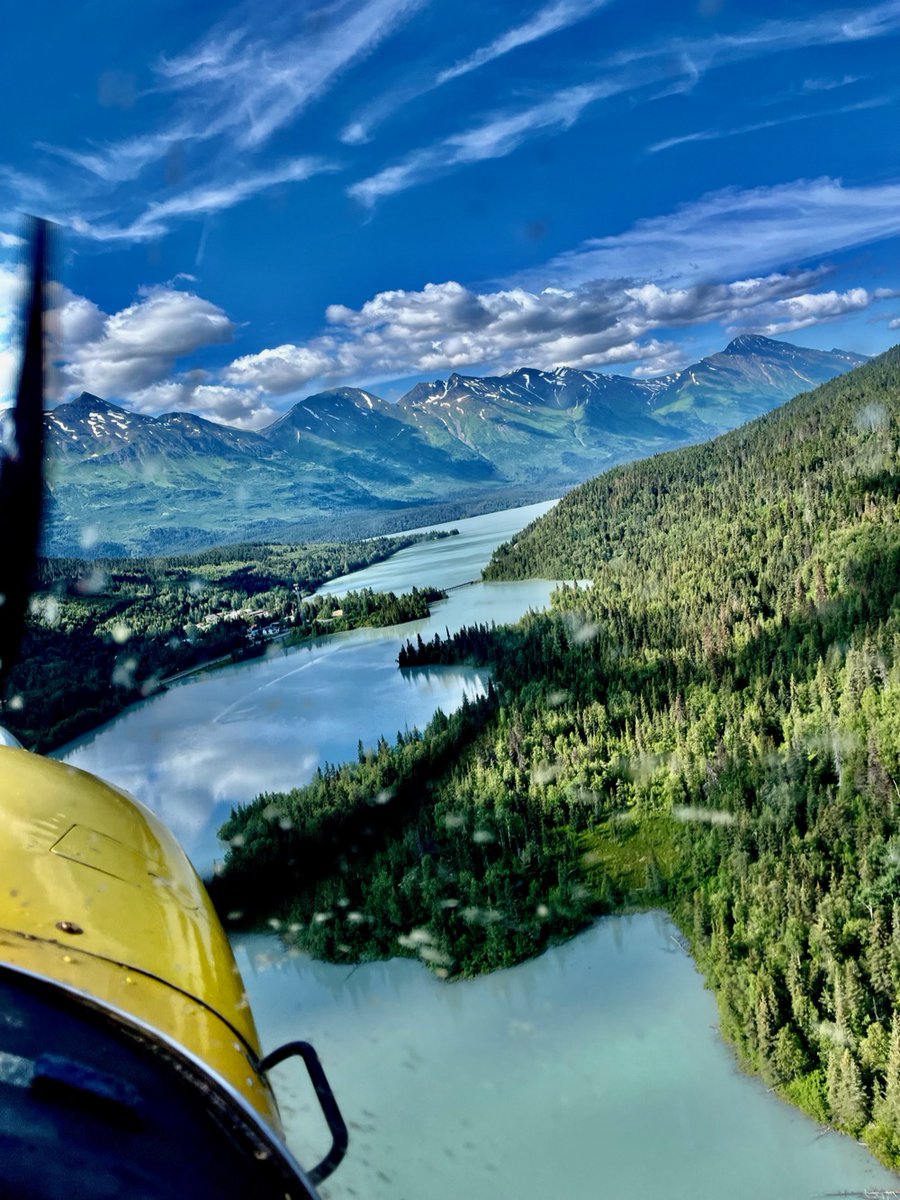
<point>260,201</point>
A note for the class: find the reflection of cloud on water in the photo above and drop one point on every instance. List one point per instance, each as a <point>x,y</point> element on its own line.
<point>196,750</point>
<point>185,784</point>
<point>220,739</point>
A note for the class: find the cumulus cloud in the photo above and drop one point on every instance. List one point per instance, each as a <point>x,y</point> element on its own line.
<point>445,327</point>
<point>120,355</point>
<point>12,287</point>
<point>613,323</point>
<point>191,392</point>
<point>283,369</point>
<point>600,311</point>
<point>798,312</point>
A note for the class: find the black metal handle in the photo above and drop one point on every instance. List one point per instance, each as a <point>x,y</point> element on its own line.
<point>340,1137</point>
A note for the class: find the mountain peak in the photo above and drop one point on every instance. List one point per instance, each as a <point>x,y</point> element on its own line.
<point>89,400</point>
<point>752,343</point>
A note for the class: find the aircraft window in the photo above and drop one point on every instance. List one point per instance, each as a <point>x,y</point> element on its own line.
<point>469,491</point>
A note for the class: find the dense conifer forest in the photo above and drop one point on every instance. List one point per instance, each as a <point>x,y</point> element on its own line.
<point>712,725</point>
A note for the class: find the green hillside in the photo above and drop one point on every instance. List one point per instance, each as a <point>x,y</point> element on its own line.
<point>750,586</point>
<point>712,726</point>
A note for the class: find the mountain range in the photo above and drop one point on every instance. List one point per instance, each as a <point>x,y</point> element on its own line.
<point>345,460</point>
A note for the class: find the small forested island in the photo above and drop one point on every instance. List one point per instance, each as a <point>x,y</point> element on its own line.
<point>713,727</point>
<point>104,633</point>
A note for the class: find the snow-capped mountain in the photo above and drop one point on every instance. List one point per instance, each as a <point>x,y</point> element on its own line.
<point>346,459</point>
<point>93,429</point>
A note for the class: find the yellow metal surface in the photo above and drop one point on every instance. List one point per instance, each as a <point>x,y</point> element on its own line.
<point>97,893</point>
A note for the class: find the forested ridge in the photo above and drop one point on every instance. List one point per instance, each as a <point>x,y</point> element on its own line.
<point>712,725</point>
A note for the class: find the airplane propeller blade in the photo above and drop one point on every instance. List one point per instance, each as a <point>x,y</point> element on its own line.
<point>21,475</point>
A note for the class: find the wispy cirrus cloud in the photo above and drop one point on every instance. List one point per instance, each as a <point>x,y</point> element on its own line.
<point>201,201</point>
<point>676,65</point>
<point>495,137</point>
<point>551,18</point>
<point>743,231</point>
<point>828,27</point>
<point>829,83</point>
<point>255,85</point>
<point>230,94</point>
<point>713,135</point>
<point>123,161</point>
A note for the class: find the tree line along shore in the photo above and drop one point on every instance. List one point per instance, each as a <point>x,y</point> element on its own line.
<point>712,727</point>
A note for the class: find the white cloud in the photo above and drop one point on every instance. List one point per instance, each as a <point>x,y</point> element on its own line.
<point>678,64</point>
<point>246,409</point>
<point>552,18</point>
<point>10,241</point>
<point>829,84</point>
<point>612,323</point>
<point>76,320</point>
<point>120,355</point>
<point>120,162</point>
<point>213,197</point>
<point>226,98</point>
<point>12,288</point>
<point>828,27</point>
<point>282,369</point>
<point>256,85</point>
<point>445,327</point>
<point>201,200</point>
<point>495,137</point>
<point>798,312</point>
<point>130,355</point>
<point>746,231</point>
<point>711,135</point>
<point>245,84</point>
<point>600,311</point>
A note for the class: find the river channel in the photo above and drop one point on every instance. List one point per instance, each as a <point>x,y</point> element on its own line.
<point>594,1072</point>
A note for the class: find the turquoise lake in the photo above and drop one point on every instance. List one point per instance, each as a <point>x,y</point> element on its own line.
<point>594,1072</point>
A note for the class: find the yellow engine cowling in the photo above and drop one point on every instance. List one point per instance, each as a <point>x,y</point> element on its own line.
<point>97,895</point>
